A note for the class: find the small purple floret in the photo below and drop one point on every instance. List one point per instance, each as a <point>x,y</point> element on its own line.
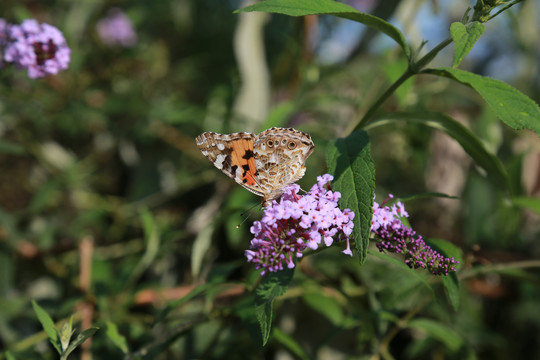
<point>394,236</point>
<point>296,223</point>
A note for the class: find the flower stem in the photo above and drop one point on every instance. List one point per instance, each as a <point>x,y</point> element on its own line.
<point>413,69</point>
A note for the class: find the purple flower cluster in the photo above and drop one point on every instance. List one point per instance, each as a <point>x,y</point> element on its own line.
<point>299,222</point>
<point>39,48</point>
<point>394,236</point>
<point>116,29</point>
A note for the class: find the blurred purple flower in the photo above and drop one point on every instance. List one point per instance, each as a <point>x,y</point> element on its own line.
<point>296,223</point>
<point>394,236</point>
<point>41,49</point>
<point>117,29</point>
<point>3,39</point>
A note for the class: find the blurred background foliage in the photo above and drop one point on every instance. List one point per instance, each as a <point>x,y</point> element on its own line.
<point>109,212</point>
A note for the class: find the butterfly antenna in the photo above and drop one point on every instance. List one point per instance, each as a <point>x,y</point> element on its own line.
<point>245,215</point>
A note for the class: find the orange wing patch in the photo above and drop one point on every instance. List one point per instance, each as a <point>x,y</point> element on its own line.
<point>243,158</point>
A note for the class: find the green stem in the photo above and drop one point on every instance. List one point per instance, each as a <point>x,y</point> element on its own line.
<point>504,9</point>
<point>413,69</point>
<point>498,268</point>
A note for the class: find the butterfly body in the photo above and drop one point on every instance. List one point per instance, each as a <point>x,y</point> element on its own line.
<point>264,163</point>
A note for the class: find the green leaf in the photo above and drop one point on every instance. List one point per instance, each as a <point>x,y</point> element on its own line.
<point>329,7</point>
<point>9,356</point>
<point>79,340</point>
<point>48,326</point>
<point>465,37</point>
<point>470,142</point>
<point>292,345</point>
<point>429,194</point>
<point>527,202</point>
<point>152,238</point>
<point>349,161</point>
<point>274,284</point>
<point>65,333</point>
<point>450,282</point>
<point>326,306</point>
<point>8,147</point>
<point>401,264</point>
<point>118,339</point>
<point>514,108</point>
<point>438,331</point>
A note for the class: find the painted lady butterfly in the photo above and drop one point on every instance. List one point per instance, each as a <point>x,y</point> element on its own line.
<point>264,163</point>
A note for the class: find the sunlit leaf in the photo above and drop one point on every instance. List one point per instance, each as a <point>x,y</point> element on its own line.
<point>465,36</point>
<point>82,337</point>
<point>528,203</point>
<point>329,7</point>
<point>510,105</point>
<point>48,326</point>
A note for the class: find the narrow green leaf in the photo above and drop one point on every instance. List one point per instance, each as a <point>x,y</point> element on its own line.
<point>527,202</point>
<point>349,161</point>
<point>510,105</point>
<point>274,285</point>
<point>329,7</point>
<point>470,143</point>
<point>292,345</point>
<point>152,238</point>
<point>429,194</point>
<point>8,147</point>
<point>79,340</point>
<point>326,306</point>
<point>450,282</point>
<point>9,356</point>
<point>438,331</point>
<point>48,326</point>
<point>465,37</point>
<point>118,339</point>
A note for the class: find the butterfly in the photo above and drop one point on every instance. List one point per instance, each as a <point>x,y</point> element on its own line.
<point>264,163</point>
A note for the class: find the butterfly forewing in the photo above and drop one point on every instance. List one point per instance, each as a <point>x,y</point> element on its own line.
<point>233,155</point>
<point>263,164</point>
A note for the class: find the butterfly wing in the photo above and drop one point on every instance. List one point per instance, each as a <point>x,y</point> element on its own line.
<point>280,156</point>
<point>233,155</point>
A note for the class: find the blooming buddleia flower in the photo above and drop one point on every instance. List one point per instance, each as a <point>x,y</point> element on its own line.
<point>117,29</point>
<point>39,48</point>
<point>393,235</point>
<point>296,223</point>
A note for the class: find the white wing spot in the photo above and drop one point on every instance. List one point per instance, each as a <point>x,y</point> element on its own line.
<point>221,147</point>
<point>219,161</point>
<point>213,144</point>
